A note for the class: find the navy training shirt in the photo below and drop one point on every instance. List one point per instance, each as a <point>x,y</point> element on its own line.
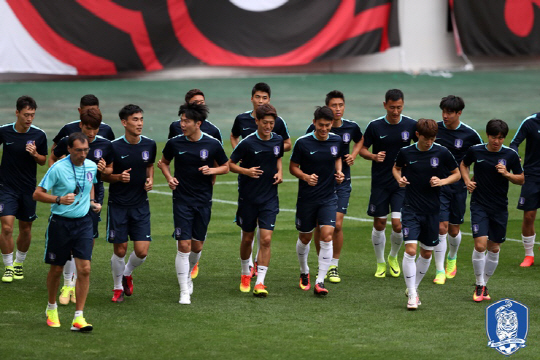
<point>194,188</point>
<point>529,130</point>
<point>252,151</point>
<point>419,167</point>
<point>74,126</point>
<point>206,127</point>
<point>245,124</point>
<point>491,187</point>
<point>136,157</point>
<point>18,168</point>
<point>317,157</point>
<point>384,136</point>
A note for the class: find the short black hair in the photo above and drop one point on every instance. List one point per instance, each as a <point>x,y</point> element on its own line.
<point>193,111</point>
<point>452,103</point>
<point>128,110</point>
<point>323,112</point>
<point>394,95</point>
<point>191,93</point>
<point>495,127</point>
<point>89,100</point>
<point>334,94</point>
<point>264,87</point>
<point>77,136</point>
<point>26,101</point>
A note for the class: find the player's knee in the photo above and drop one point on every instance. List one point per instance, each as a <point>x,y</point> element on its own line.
<point>480,247</point>
<point>339,227</point>
<point>7,229</point>
<point>141,253</point>
<point>528,218</point>
<point>56,271</point>
<point>120,252</point>
<point>396,228</point>
<point>443,229</point>
<point>83,270</point>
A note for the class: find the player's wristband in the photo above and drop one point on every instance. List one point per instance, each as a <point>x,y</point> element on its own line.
<point>94,200</point>
<point>57,201</point>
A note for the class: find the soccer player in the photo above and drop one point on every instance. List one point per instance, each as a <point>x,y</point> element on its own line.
<point>388,134</point>
<point>197,156</point>
<point>128,211</point>
<point>71,182</point>
<point>494,166</point>
<point>101,154</point>
<point>316,162</point>
<point>421,168</point>
<point>349,131</point>
<point>458,138</point>
<point>25,145</point>
<point>529,200</point>
<point>260,172</point>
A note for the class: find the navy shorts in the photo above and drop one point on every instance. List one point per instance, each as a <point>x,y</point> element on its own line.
<point>421,227</point>
<point>382,201</point>
<point>308,215</point>
<point>248,215</point>
<point>13,203</point>
<point>453,203</point>
<point>488,222</point>
<point>191,222</point>
<point>96,218</point>
<point>530,196</point>
<point>343,192</point>
<point>66,236</point>
<point>124,222</point>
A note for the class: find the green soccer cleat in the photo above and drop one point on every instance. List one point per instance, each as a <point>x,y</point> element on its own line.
<point>52,318</point>
<point>65,294</point>
<point>260,291</point>
<point>451,268</point>
<point>8,274</point>
<point>18,271</point>
<point>440,278</point>
<point>381,270</point>
<point>394,266</point>
<point>80,324</point>
<point>333,274</point>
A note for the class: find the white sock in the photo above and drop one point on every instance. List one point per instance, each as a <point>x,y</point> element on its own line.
<point>8,259</point>
<point>396,239</point>
<point>77,314</point>
<point>422,266</point>
<point>52,306</point>
<point>182,270</point>
<point>261,274</point>
<point>74,279</point>
<point>302,251</point>
<point>258,236</point>
<point>479,261</point>
<point>117,265</point>
<point>528,244</point>
<point>325,256</point>
<point>439,253</point>
<point>378,238</point>
<point>132,263</point>
<point>68,272</point>
<point>193,259</point>
<point>492,260</point>
<point>453,245</point>
<point>20,257</point>
<point>245,267</point>
<point>251,254</point>
<point>409,273</point>
<point>334,262</point>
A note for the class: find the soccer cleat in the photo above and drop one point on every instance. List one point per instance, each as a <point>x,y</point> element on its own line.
<point>195,271</point>
<point>255,269</point>
<point>394,266</point>
<point>485,294</point>
<point>52,318</point>
<point>333,274</point>
<point>417,296</point>
<point>305,284</point>
<point>127,283</point>
<point>18,271</point>
<point>451,268</point>
<point>412,303</point>
<point>478,294</point>
<point>260,290</point>
<point>319,289</point>
<point>73,296</point>
<point>80,324</point>
<point>252,271</point>
<point>8,274</point>
<point>381,270</point>
<point>185,299</point>
<point>65,294</point>
<point>118,296</point>
<point>528,261</point>
<point>190,286</point>
<point>245,283</point>
<point>440,278</point>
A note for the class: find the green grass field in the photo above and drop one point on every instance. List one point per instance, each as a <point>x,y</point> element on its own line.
<point>363,317</point>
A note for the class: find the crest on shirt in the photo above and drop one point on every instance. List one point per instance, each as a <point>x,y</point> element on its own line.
<point>434,161</point>
<point>502,161</point>
<point>203,154</point>
<point>276,150</point>
<point>145,155</point>
<point>346,138</point>
<point>458,143</point>
<point>89,176</point>
<point>29,142</point>
<point>333,150</point>
<point>475,228</point>
<point>1,208</point>
<point>98,153</point>
<point>405,136</point>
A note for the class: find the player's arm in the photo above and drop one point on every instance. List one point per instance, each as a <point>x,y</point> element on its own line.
<point>234,140</point>
<point>520,136</point>
<point>217,170</point>
<point>339,171</point>
<point>122,177</point>
<point>52,158</point>
<point>104,168</point>
<point>254,172</point>
<point>278,177</point>
<point>165,166</point>
<point>295,170</point>
<point>349,158</point>
<point>518,179</point>
<point>32,150</point>
<point>149,177</point>
<point>287,145</point>
<point>455,175</point>
<point>94,205</point>
<point>466,176</point>
<point>41,195</point>
<point>402,180</point>
<point>366,154</point>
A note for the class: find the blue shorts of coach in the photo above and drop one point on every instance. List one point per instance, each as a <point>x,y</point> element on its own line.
<point>309,215</point>
<point>453,203</point>
<point>20,205</point>
<point>488,222</point>
<point>191,222</point>
<point>248,215</point>
<point>124,222</point>
<point>382,201</point>
<point>421,227</point>
<point>67,236</point>
<point>529,199</point>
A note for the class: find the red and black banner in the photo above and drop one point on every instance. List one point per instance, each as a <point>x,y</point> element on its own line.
<point>497,27</point>
<point>101,37</point>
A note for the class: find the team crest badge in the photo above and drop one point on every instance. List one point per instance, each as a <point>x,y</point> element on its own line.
<point>145,155</point>
<point>276,150</point>
<point>111,234</point>
<point>406,231</point>
<point>502,161</point>
<point>346,138</point>
<point>521,200</point>
<point>371,208</point>
<point>1,208</point>
<point>178,231</point>
<point>333,150</point>
<point>298,222</point>
<point>434,161</point>
<point>458,143</point>
<point>89,176</point>
<point>98,153</point>
<point>52,256</point>
<point>475,228</point>
<point>204,154</point>
<point>507,325</point>
<point>405,136</point>
<point>30,142</point>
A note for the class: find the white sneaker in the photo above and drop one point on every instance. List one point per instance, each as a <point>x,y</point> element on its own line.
<point>412,304</point>
<point>185,299</point>
<point>190,286</point>
<point>417,297</point>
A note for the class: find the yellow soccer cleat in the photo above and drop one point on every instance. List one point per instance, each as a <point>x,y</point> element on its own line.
<point>394,266</point>
<point>260,291</point>
<point>52,318</point>
<point>80,324</point>
<point>451,268</point>
<point>381,270</point>
<point>245,283</point>
<point>440,278</point>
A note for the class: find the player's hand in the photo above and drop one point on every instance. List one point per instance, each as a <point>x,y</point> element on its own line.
<point>501,169</point>
<point>101,165</point>
<point>96,207</point>
<point>206,170</point>
<point>403,182</point>
<point>159,164</point>
<point>67,199</point>
<point>380,156</point>
<point>349,159</point>
<point>312,179</point>
<point>124,176</point>
<point>471,186</point>
<point>31,148</point>
<point>435,181</point>
<point>255,172</point>
<point>278,178</point>
<point>173,183</point>
<point>149,184</point>
<point>339,177</point>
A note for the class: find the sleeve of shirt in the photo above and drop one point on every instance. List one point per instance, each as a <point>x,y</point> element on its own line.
<point>236,130</point>
<point>520,136</point>
<point>283,130</point>
<point>310,128</point>
<point>49,179</point>
<point>218,135</point>
<point>61,134</point>
<point>108,153</point>
<point>400,159</point>
<point>238,152</point>
<point>515,165</point>
<point>368,136</point>
<point>171,131</point>
<point>357,133</point>
<point>153,153</point>
<point>296,155</point>
<point>61,148</point>
<point>42,146</point>
<point>469,157</point>
<point>168,151</point>
<point>110,134</point>
<point>221,157</point>
<point>343,149</point>
<point>281,149</point>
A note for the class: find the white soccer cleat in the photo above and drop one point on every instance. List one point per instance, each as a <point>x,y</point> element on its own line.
<point>412,304</point>
<point>185,299</point>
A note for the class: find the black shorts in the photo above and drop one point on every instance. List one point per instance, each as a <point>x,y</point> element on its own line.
<point>124,222</point>
<point>343,192</point>
<point>96,218</point>
<point>67,236</point>
<point>20,205</point>
<point>488,222</point>
<point>453,203</point>
<point>191,222</point>
<point>529,199</point>
<point>382,201</point>
<point>421,227</point>
<point>249,215</point>
<point>309,215</point>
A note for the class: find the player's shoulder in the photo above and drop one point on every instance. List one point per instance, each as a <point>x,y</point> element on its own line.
<point>147,140</point>
<point>7,127</point>
<point>305,138</point>
<point>378,121</point>
<point>247,140</point>
<point>244,115</point>
<point>211,124</point>
<point>276,137</point>
<point>408,120</point>
<point>334,137</point>
<point>104,126</point>
<point>209,138</point>
<point>101,139</point>
<point>510,151</point>
<point>349,123</point>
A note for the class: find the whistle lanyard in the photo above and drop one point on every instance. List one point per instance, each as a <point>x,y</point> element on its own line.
<point>77,180</point>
